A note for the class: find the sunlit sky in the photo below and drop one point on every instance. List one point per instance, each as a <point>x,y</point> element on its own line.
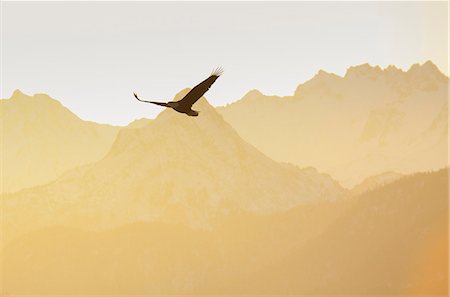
<point>92,56</point>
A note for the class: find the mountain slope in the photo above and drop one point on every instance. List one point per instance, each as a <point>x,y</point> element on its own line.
<point>388,241</point>
<point>374,182</point>
<point>393,240</point>
<point>42,139</point>
<point>175,168</point>
<point>368,122</point>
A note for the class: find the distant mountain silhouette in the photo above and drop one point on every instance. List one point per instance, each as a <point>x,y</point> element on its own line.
<point>175,169</point>
<point>389,241</point>
<point>184,205</point>
<point>42,139</point>
<point>365,123</point>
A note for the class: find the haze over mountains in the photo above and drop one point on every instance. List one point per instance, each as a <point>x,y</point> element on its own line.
<point>369,122</point>
<point>389,241</point>
<point>366,123</point>
<point>176,169</point>
<point>182,205</point>
<point>42,139</point>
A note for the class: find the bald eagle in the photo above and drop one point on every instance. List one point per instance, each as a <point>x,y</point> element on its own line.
<point>185,104</point>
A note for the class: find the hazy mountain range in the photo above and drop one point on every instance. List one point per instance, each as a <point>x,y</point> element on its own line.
<point>231,202</point>
<point>42,139</point>
<point>369,122</point>
<point>389,241</point>
<point>174,168</point>
<point>365,123</point>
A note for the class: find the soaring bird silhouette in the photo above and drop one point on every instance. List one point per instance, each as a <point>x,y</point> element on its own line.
<point>185,104</point>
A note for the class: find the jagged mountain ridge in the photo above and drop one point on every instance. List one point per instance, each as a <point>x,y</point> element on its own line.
<point>175,168</point>
<point>42,139</point>
<point>367,122</point>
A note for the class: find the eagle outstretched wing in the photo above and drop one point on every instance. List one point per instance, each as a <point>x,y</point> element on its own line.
<point>200,89</point>
<point>146,101</point>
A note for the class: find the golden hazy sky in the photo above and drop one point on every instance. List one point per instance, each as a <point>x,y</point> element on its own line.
<point>93,55</point>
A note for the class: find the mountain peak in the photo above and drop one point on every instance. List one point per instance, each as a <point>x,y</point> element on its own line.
<point>202,106</point>
<point>139,123</point>
<point>208,118</point>
<point>427,68</point>
<point>252,94</point>
<point>202,103</point>
<point>181,94</point>
<point>428,65</point>
<point>170,122</point>
<point>324,74</point>
<point>363,70</point>
<point>19,98</point>
<point>46,139</point>
<point>392,69</point>
<point>17,93</point>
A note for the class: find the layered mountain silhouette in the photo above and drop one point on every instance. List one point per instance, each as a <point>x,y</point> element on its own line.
<point>182,205</point>
<point>368,122</point>
<point>388,241</point>
<point>42,139</point>
<point>392,240</point>
<point>175,169</point>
